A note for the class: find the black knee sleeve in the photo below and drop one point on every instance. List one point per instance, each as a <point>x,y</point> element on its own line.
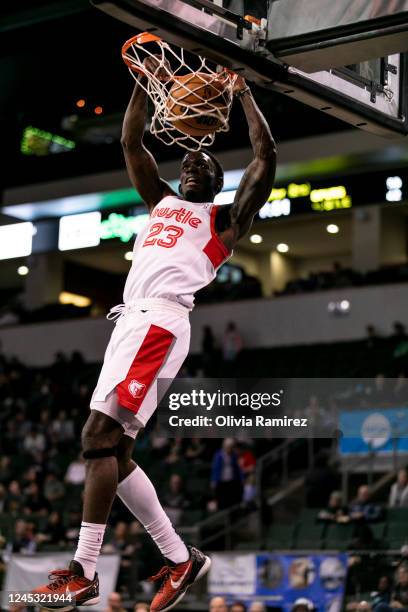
<point>99,453</point>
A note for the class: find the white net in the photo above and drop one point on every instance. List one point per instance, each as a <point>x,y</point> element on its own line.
<point>192,101</point>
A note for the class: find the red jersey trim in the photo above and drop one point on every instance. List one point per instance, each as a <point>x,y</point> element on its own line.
<point>215,249</point>
<point>145,367</point>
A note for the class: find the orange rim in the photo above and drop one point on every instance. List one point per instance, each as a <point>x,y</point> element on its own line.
<point>143,39</point>
<point>140,39</point>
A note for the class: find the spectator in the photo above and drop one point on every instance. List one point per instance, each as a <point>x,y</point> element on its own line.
<point>14,495</point>
<point>115,603</point>
<point>302,605</point>
<point>399,597</point>
<point>231,345</point>
<point>218,604</point>
<point>246,458</point>
<point>399,491</point>
<point>3,498</point>
<point>34,441</point>
<point>34,501</point>
<point>5,469</point>
<point>372,337</point>
<point>23,540</point>
<point>335,511</point>
<point>141,606</point>
<point>54,490</point>
<point>362,509</point>
<point>226,478</point>
<point>399,332</point>
<point>238,606</point>
<point>364,606</point>
<point>76,472</point>
<point>175,499</point>
<point>257,606</point>
<point>63,427</point>
<point>383,594</point>
<point>54,532</point>
<point>195,449</point>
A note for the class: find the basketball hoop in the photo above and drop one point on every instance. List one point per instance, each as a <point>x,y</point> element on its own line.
<point>191,102</point>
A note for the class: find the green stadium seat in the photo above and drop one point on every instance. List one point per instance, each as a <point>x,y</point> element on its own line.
<point>397,515</point>
<point>310,534</point>
<point>280,537</point>
<point>339,537</point>
<point>397,534</point>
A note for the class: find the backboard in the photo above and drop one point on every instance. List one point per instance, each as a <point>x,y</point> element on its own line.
<point>345,58</point>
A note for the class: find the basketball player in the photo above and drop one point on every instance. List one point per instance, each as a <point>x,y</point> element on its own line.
<point>178,252</point>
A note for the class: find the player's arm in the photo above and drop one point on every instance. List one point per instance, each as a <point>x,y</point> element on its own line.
<point>256,184</point>
<point>140,163</point>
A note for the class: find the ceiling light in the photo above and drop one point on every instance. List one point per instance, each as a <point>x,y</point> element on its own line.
<point>128,256</point>
<point>256,238</point>
<point>282,247</point>
<point>22,270</point>
<point>332,228</point>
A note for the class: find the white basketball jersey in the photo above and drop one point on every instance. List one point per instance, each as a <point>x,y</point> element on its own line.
<point>177,252</point>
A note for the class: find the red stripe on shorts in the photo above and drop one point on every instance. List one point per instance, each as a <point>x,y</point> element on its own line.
<point>145,366</point>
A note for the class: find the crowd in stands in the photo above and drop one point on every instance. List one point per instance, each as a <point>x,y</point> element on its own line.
<point>340,277</point>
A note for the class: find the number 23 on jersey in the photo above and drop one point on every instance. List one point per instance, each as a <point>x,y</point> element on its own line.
<point>164,236</point>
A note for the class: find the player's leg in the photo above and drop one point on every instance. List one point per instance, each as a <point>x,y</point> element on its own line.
<point>139,495</point>
<point>184,565</point>
<point>100,437</point>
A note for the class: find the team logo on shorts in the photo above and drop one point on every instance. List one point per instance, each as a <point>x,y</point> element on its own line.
<point>136,389</point>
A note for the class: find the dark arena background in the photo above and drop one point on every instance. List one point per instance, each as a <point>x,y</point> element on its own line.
<point>314,297</point>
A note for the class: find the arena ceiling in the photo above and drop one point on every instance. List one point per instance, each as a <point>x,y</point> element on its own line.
<point>55,53</point>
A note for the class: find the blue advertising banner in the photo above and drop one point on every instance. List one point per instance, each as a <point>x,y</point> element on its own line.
<point>280,579</point>
<point>383,430</point>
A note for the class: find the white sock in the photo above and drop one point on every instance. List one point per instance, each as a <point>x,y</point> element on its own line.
<point>138,494</point>
<point>89,546</point>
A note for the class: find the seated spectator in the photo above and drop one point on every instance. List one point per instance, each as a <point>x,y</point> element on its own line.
<point>303,605</point>
<point>399,596</point>
<point>195,449</point>
<point>175,499</point>
<point>383,594</point>
<point>238,606</point>
<point>34,441</point>
<point>115,603</point>
<point>3,498</point>
<point>23,539</point>
<point>5,469</point>
<point>141,606</point>
<point>399,491</point>
<point>54,531</point>
<point>15,497</point>
<point>362,509</point>
<point>335,511</point>
<point>34,500</point>
<point>226,476</point>
<point>54,490</point>
<point>257,606</point>
<point>218,604</point>
<point>75,474</point>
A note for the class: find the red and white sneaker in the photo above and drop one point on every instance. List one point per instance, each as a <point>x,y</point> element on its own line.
<point>66,583</point>
<point>177,578</point>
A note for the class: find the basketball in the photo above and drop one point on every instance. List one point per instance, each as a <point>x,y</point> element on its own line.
<point>198,98</point>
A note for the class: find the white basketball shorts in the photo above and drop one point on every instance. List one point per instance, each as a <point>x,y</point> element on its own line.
<point>151,340</point>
